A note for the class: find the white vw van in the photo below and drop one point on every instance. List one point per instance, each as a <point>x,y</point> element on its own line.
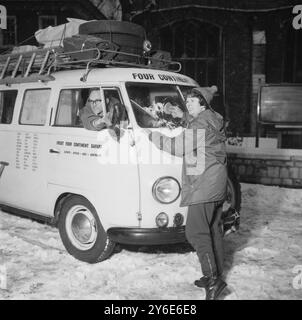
<point>98,187</point>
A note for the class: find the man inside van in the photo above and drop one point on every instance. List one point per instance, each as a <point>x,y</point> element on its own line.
<point>92,115</point>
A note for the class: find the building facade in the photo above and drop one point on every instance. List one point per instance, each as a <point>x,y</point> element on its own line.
<point>24,17</point>
<point>236,44</point>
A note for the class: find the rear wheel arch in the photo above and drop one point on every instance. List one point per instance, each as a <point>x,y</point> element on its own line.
<point>58,205</point>
<point>60,201</point>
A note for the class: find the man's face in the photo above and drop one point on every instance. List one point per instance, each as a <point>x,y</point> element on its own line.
<point>95,101</point>
<point>194,107</point>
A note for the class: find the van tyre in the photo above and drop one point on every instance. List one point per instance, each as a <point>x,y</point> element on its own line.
<point>81,231</point>
<point>233,198</point>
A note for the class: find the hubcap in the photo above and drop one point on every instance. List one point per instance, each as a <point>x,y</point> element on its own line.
<point>81,227</point>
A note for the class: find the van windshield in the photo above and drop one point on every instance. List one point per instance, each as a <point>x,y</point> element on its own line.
<point>152,104</point>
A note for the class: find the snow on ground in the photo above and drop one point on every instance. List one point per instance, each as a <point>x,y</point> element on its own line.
<point>260,259</point>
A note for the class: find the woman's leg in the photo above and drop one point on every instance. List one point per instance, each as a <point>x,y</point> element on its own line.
<point>199,234</point>
<point>217,237</point>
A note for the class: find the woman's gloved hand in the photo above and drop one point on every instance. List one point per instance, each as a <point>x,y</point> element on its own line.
<point>176,112</point>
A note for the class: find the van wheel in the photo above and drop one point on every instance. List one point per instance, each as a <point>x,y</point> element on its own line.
<point>82,232</point>
<point>233,198</point>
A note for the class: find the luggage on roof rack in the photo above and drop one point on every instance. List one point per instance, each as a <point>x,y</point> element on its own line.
<point>81,51</point>
<point>128,36</point>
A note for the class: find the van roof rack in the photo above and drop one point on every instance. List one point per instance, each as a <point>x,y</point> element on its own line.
<point>27,66</point>
<point>38,65</point>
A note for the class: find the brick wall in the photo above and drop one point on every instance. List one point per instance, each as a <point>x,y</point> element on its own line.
<point>284,169</point>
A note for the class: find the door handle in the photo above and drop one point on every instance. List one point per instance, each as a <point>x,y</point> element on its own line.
<point>54,151</point>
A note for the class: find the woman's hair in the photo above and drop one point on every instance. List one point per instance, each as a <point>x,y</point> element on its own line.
<point>195,94</point>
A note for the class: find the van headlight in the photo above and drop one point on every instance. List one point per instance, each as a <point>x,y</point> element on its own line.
<point>166,190</point>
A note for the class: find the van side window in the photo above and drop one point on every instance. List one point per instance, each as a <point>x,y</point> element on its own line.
<point>7,105</point>
<point>71,102</point>
<point>34,107</point>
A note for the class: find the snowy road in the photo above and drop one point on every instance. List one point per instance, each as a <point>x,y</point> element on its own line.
<point>260,259</point>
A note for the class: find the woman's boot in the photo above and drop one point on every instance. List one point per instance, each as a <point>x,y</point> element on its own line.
<point>214,287</point>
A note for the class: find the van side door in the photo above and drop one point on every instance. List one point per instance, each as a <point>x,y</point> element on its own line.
<point>88,162</point>
<point>25,186</point>
<point>7,143</point>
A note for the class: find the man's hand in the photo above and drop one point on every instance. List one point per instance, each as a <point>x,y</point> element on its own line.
<point>108,118</point>
<point>104,120</point>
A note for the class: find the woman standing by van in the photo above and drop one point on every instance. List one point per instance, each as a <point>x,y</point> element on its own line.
<point>204,180</point>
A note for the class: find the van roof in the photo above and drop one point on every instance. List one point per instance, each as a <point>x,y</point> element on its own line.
<point>114,74</point>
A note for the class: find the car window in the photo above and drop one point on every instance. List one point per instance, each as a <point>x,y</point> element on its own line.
<point>71,102</point>
<point>152,104</point>
<point>184,90</point>
<point>34,107</point>
<point>7,105</point>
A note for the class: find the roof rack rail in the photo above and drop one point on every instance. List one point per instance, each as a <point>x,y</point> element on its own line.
<point>38,65</point>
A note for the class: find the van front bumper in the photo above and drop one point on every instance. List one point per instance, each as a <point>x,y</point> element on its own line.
<point>147,236</point>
